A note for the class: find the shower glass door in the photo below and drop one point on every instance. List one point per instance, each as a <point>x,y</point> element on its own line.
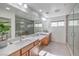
<point>76,30</point>
<point>70,40</point>
<point>73,30</point>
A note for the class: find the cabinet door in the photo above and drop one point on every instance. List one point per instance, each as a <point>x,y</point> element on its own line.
<point>45,41</point>
<point>25,54</point>
<point>34,51</point>
<point>36,42</point>
<point>25,49</point>
<point>17,53</point>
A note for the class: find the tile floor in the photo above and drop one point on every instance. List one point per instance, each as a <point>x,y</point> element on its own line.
<point>57,49</point>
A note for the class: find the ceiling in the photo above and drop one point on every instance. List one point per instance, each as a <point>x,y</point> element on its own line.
<point>19,11</point>
<point>52,9</point>
<point>48,10</point>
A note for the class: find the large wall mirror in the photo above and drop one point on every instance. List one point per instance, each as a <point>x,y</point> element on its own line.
<point>23,26</point>
<point>7,24</point>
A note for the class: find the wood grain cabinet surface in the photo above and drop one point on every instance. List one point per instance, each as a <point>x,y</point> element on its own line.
<point>17,53</point>
<point>31,49</point>
<point>25,54</point>
<point>45,41</point>
<point>26,48</point>
<point>36,42</point>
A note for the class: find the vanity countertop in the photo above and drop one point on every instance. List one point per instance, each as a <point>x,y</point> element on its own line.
<point>20,44</point>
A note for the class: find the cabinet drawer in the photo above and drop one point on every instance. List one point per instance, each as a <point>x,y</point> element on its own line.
<point>17,53</point>
<point>36,42</point>
<point>25,49</point>
<point>25,54</point>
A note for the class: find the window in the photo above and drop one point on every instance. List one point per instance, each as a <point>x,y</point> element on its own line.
<point>76,22</point>
<point>54,24</point>
<point>58,23</point>
<point>61,23</point>
<point>38,25</point>
<point>71,23</point>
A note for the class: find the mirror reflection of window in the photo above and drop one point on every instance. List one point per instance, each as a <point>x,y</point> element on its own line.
<point>24,26</point>
<point>6,22</point>
<point>76,23</point>
<point>38,25</point>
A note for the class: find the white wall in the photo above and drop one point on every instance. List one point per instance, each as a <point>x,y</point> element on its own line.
<point>10,15</point>
<point>58,33</point>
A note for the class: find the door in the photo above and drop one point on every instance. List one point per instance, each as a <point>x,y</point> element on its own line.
<point>70,39</point>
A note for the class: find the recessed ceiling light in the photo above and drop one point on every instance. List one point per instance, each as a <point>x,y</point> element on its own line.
<point>25,6</point>
<point>44,19</point>
<point>40,10</point>
<point>7,8</point>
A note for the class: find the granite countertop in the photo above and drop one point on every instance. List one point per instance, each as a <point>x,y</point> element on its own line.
<point>20,44</point>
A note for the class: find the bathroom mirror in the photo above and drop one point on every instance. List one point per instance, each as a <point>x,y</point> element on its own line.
<point>6,21</point>
<point>24,26</point>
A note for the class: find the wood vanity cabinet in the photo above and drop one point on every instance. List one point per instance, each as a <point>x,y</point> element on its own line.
<point>35,50</point>
<point>25,54</point>
<point>26,49</point>
<point>36,42</point>
<point>17,53</point>
<point>45,40</point>
<point>32,49</point>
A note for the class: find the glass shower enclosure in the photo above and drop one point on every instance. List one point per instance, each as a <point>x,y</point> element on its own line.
<point>73,31</point>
